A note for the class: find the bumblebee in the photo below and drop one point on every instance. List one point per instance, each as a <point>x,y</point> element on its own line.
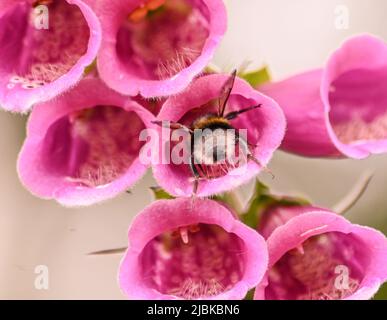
<point>214,128</point>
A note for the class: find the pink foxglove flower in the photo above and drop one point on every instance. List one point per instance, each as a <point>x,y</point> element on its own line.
<point>184,249</point>
<point>44,49</point>
<point>156,47</point>
<point>83,146</point>
<point>264,129</point>
<point>340,110</point>
<point>317,254</point>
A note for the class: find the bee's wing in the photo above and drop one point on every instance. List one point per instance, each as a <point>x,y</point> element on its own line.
<point>225,93</point>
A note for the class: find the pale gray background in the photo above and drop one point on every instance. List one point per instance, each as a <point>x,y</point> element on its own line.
<point>288,35</point>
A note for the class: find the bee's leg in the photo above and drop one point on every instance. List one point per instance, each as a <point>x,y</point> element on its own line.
<point>234,114</point>
<point>195,174</point>
<point>251,157</point>
<point>172,125</point>
<point>247,145</point>
<point>250,146</point>
<point>195,187</point>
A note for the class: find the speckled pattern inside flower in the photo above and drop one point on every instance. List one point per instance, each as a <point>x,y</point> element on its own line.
<point>93,147</point>
<point>205,266</point>
<point>37,56</point>
<point>358,102</point>
<point>314,270</point>
<point>165,41</point>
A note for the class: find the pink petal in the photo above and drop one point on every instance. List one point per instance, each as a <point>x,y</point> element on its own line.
<point>83,147</point>
<point>160,55</point>
<point>36,65</point>
<point>354,93</point>
<point>223,259</point>
<point>308,246</point>
<point>306,132</point>
<point>265,127</point>
<point>340,110</point>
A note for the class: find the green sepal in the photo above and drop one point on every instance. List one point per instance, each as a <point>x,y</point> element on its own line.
<point>160,194</point>
<point>262,200</point>
<point>249,295</point>
<point>258,77</point>
<point>231,199</point>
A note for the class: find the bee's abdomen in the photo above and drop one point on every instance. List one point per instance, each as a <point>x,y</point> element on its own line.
<point>214,152</point>
<point>211,122</point>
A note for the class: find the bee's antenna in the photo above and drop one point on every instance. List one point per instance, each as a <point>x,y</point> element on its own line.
<point>235,114</point>
<point>195,187</point>
<point>225,93</point>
